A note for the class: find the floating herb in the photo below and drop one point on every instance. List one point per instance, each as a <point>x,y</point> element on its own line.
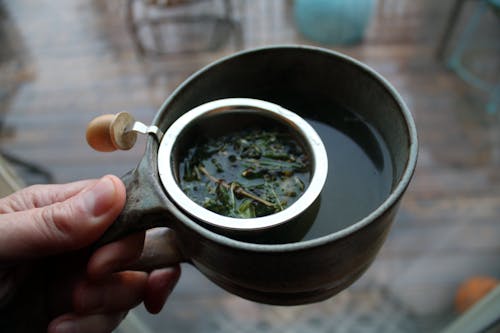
<point>246,174</point>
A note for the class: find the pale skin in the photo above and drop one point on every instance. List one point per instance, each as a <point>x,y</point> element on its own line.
<point>49,272</point>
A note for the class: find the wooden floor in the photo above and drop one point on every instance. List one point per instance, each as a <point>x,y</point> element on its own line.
<point>64,62</point>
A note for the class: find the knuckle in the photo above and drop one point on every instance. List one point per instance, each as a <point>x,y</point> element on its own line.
<point>33,200</point>
<point>22,200</point>
<point>61,221</point>
<point>34,188</point>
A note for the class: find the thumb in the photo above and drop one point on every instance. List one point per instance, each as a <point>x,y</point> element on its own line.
<point>67,225</point>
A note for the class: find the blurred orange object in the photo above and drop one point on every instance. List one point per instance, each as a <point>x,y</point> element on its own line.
<point>472,290</point>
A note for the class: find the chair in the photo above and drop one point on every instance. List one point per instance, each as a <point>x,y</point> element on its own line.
<point>161,27</point>
<point>455,60</point>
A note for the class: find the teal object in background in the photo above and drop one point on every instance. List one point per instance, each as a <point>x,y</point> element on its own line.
<point>333,21</point>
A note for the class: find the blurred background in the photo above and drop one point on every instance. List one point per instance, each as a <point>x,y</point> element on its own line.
<point>64,62</point>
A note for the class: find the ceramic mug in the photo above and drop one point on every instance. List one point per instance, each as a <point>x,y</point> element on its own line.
<point>296,272</point>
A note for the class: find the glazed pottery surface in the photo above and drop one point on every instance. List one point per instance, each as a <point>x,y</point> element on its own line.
<point>304,80</point>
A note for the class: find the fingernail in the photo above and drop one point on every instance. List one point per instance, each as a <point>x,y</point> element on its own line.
<point>171,279</point>
<point>66,327</point>
<point>99,198</point>
<point>165,281</point>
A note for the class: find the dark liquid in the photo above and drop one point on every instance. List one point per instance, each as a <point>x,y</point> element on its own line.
<point>360,176</point>
<point>360,173</point>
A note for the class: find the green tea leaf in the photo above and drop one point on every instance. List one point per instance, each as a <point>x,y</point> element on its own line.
<point>251,173</point>
<point>246,209</point>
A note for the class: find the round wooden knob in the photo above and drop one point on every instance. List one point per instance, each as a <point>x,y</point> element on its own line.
<point>110,132</point>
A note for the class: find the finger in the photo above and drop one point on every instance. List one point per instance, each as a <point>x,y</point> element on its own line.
<point>63,226</point>
<point>160,285</point>
<point>114,256</point>
<point>100,323</point>
<point>121,291</point>
<point>37,196</point>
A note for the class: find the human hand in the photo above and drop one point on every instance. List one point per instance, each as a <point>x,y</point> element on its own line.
<point>48,275</point>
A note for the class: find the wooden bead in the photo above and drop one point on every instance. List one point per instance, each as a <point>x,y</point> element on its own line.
<point>110,132</point>
<point>99,133</point>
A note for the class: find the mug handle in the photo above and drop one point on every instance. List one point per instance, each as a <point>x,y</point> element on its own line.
<point>144,209</point>
<point>161,250</point>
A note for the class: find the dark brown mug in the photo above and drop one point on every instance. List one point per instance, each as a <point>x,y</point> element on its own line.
<point>299,272</point>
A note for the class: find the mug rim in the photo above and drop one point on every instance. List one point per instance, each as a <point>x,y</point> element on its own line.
<point>395,194</point>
